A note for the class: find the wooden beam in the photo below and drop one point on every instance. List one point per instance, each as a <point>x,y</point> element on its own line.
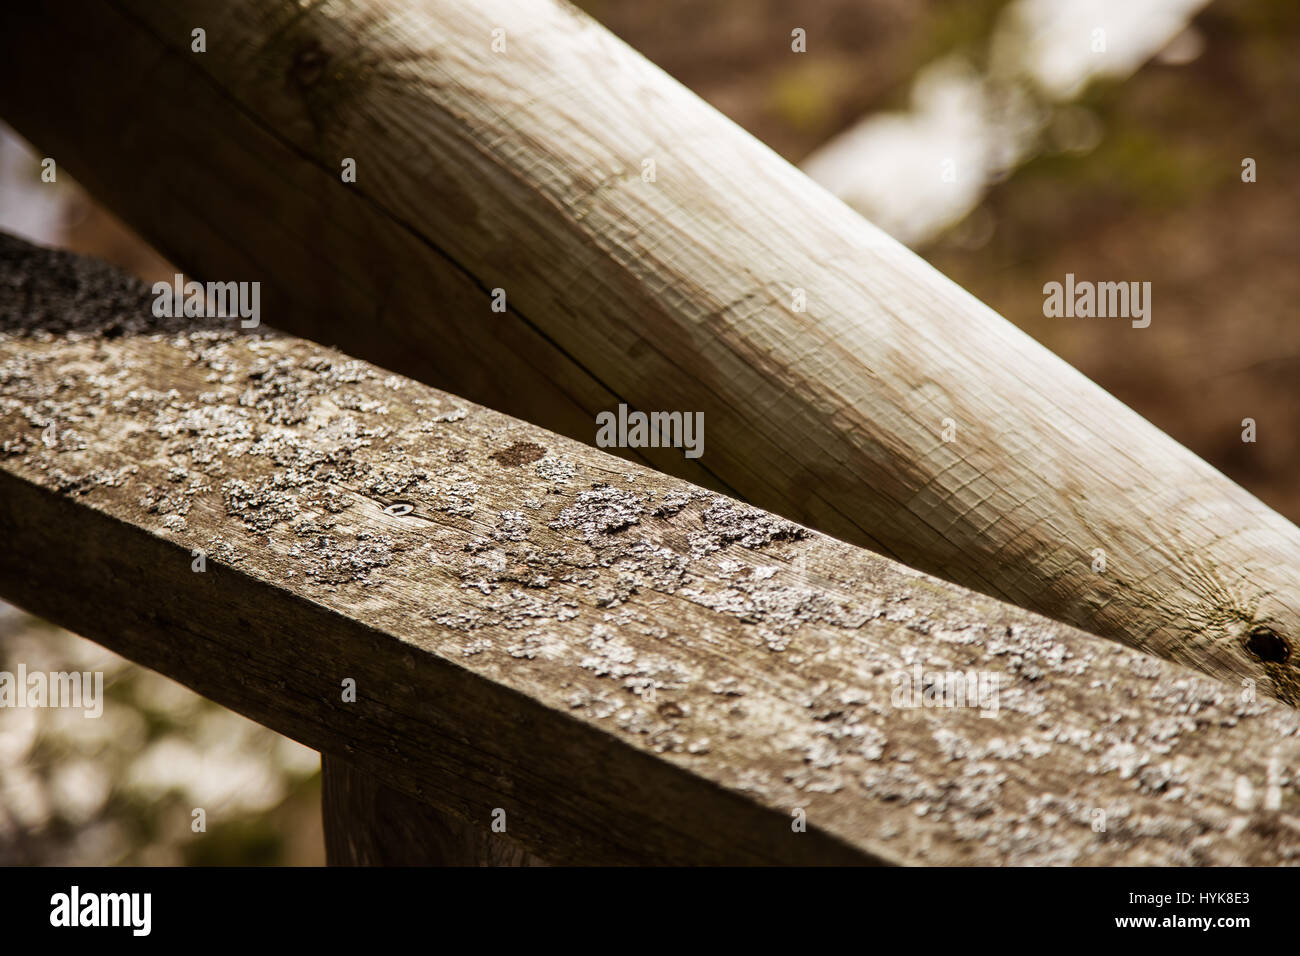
<point>613,664</point>
<point>523,167</point>
<point>369,824</point>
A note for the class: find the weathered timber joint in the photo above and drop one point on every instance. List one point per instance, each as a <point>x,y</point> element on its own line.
<point>477,171</point>
<point>630,668</point>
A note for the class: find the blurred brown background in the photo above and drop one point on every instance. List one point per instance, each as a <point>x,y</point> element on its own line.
<point>1122,164</point>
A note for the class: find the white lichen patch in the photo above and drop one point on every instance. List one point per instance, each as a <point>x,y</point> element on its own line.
<point>601,510</point>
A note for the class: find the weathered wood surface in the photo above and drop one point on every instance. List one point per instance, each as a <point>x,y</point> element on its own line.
<point>369,824</point>
<point>522,169</point>
<point>630,667</point>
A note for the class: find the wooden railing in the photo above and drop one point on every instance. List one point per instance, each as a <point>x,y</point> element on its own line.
<point>511,646</point>
<point>626,666</point>
<point>646,250</point>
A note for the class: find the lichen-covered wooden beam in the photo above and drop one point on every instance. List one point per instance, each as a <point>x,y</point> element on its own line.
<point>648,251</point>
<point>611,664</point>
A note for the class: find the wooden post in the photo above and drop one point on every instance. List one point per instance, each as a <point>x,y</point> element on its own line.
<point>370,824</point>
<point>512,153</point>
<point>609,664</point>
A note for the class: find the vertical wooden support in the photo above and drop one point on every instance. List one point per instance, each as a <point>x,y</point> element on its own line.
<point>370,824</point>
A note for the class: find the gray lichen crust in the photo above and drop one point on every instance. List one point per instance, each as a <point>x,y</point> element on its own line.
<point>756,655</point>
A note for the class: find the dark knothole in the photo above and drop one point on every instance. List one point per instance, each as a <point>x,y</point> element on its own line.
<point>1267,645</point>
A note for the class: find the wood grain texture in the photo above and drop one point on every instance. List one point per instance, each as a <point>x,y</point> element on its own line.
<point>632,668</point>
<point>370,824</point>
<point>521,170</point>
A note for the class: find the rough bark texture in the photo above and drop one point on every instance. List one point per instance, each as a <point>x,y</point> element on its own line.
<point>521,169</point>
<point>632,668</point>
